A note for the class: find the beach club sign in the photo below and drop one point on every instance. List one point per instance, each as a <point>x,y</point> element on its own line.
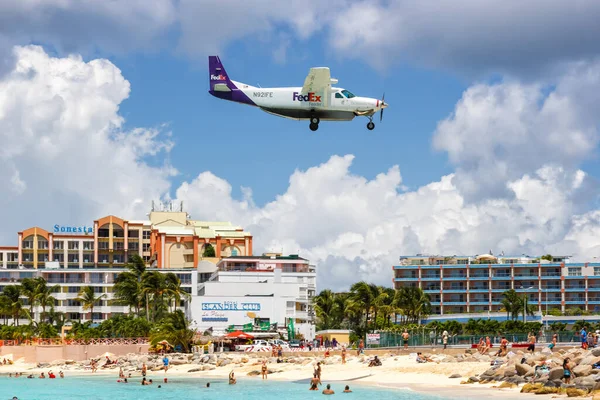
<point>86,230</point>
<point>373,338</point>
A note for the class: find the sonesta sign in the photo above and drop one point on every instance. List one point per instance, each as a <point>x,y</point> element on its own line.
<point>73,229</point>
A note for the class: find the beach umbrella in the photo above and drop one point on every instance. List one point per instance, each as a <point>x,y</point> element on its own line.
<point>239,335</point>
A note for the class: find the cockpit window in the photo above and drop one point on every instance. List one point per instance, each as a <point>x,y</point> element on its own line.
<point>339,96</point>
<point>348,94</point>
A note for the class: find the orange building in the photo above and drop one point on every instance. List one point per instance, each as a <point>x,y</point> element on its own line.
<point>168,239</point>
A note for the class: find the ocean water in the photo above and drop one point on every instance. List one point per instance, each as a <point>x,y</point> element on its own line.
<point>106,388</point>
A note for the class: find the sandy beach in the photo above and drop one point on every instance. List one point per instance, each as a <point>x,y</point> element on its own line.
<point>397,371</point>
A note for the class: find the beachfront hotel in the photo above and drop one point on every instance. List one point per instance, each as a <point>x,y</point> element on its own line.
<point>261,292</point>
<point>465,284</point>
<point>94,254</point>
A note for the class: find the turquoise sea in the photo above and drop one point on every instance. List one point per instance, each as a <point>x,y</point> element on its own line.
<point>106,388</point>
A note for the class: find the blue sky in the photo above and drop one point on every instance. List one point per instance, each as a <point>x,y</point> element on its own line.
<point>490,140</point>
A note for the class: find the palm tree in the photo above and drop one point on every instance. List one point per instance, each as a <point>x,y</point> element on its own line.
<point>325,305</point>
<point>128,285</point>
<point>175,329</point>
<point>88,299</point>
<point>513,304</point>
<point>363,294</point>
<point>44,296</point>
<point>414,304</point>
<point>29,289</point>
<point>154,287</point>
<point>174,290</point>
<point>14,305</point>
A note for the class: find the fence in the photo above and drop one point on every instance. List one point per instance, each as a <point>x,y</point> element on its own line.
<point>78,342</point>
<point>423,338</point>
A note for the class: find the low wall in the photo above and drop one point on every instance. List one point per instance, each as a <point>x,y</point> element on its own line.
<point>37,354</point>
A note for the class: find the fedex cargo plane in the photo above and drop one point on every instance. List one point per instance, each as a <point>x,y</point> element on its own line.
<point>316,100</point>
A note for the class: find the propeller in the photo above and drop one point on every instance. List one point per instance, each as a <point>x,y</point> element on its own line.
<point>382,107</point>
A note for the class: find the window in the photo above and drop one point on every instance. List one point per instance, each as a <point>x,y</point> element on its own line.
<point>574,271</point>
<point>146,247</point>
<point>597,271</point>
<point>146,235</point>
<point>339,96</point>
<point>348,94</point>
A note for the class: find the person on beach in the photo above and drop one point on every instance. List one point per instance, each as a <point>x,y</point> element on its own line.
<point>432,338</point>
<point>347,389</point>
<point>480,346</point>
<point>503,347</point>
<point>144,369</point>
<point>314,382</point>
<point>166,363</point>
<point>488,344</point>
<point>361,347</point>
<point>566,371</point>
<point>328,390</point>
<point>445,339</point>
<point>405,337</point>
<point>554,341</point>
<point>232,379</point>
<point>531,346</point>
<point>264,370</point>
<point>318,372</point>
<point>94,366</point>
<point>583,338</point>
<point>343,354</point>
<point>121,373</point>
<point>60,373</point>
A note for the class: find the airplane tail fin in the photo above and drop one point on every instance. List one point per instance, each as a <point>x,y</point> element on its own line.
<point>219,80</point>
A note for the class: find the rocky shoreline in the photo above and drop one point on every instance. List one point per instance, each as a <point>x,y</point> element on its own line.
<point>518,368</point>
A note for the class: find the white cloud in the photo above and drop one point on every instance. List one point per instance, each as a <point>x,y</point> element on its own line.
<point>64,153</point>
<point>473,36</point>
<point>84,27</point>
<point>499,132</point>
<point>353,228</point>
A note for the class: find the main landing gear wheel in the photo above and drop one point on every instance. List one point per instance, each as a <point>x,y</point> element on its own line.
<point>314,120</point>
<point>371,125</point>
<point>313,127</point>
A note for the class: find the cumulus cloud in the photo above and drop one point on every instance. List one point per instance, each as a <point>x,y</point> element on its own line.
<point>499,132</point>
<point>481,37</point>
<point>84,27</point>
<point>64,156</point>
<point>353,228</point>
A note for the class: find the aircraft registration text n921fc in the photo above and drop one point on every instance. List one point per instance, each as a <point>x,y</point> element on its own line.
<point>263,94</point>
<point>316,100</point>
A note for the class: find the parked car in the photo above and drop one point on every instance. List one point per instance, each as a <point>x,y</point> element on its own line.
<point>279,342</point>
<point>258,343</point>
<point>294,343</point>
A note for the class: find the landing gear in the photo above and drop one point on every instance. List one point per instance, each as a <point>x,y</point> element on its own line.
<point>371,125</point>
<point>314,123</point>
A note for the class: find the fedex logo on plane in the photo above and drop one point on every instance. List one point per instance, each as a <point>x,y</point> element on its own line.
<point>310,97</point>
<point>219,77</point>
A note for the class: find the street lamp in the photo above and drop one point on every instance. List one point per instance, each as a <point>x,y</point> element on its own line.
<point>525,304</point>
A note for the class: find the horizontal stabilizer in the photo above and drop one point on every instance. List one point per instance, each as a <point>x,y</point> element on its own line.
<point>221,87</point>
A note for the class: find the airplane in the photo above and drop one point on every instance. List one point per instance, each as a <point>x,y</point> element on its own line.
<point>316,100</point>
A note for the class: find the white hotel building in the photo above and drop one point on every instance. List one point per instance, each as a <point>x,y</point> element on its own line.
<point>249,290</point>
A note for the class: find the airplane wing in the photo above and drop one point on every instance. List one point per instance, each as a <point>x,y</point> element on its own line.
<point>318,81</point>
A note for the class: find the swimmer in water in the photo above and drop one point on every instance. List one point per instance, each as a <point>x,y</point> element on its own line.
<point>314,383</point>
<point>232,379</point>
<point>347,389</point>
<point>328,390</point>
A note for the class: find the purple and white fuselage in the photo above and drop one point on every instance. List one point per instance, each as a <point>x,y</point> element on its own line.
<point>316,100</point>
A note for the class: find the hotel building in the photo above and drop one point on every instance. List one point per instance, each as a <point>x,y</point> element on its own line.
<point>257,290</point>
<point>476,284</point>
<point>78,256</point>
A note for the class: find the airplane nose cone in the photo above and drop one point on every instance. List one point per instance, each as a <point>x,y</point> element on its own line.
<point>384,105</point>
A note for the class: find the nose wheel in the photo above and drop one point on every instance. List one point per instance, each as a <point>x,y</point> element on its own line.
<point>314,123</point>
